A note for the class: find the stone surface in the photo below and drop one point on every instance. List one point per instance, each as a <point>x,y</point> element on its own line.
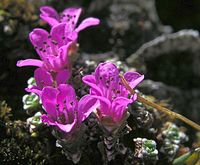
<point>128,23</point>
<point>172,63</point>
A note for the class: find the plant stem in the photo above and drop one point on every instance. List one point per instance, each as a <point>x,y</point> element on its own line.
<point>160,108</point>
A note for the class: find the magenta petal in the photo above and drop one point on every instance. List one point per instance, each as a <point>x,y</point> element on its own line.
<point>49,94</point>
<point>67,93</point>
<point>54,63</point>
<point>58,33</point>
<point>72,36</point>
<point>59,62</point>
<point>105,71</point>
<point>48,97</point>
<point>38,37</point>
<point>91,81</point>
<point>74,13</point>
<point>35,90</point>
<point>63,76</point>
<point>67,101</point>
<point>66,127</point>
<point>46,119</point>
<point>86,106</point>
<point>49,15</point>
<point>133,78</point>
<point>134,97</point>
<point>119,106</point>
<point>50,109</point>
<point>63,53</point>
<point>105,104</point>
<point>43,78</point>
<point>30,62</point>
<point>49,11</point>
<point>87,23</point>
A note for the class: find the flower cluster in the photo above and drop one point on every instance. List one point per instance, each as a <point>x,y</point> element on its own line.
<point>108,97</point>
<point>106,86</point>
<point>54,47</point>
<point>62,109</point>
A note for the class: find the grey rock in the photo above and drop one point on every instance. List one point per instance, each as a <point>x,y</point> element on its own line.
<point>182,41</point>
<point>172,63</point>
<point>128,23</point>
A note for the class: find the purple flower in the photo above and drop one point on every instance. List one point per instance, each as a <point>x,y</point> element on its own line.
<point>63,110</point>
<point>105,85</point>
<point>52,48</point>
<point>70,16</point>
<point>44,78</point>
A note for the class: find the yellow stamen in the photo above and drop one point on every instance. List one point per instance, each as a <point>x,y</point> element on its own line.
<point>158,107</point>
